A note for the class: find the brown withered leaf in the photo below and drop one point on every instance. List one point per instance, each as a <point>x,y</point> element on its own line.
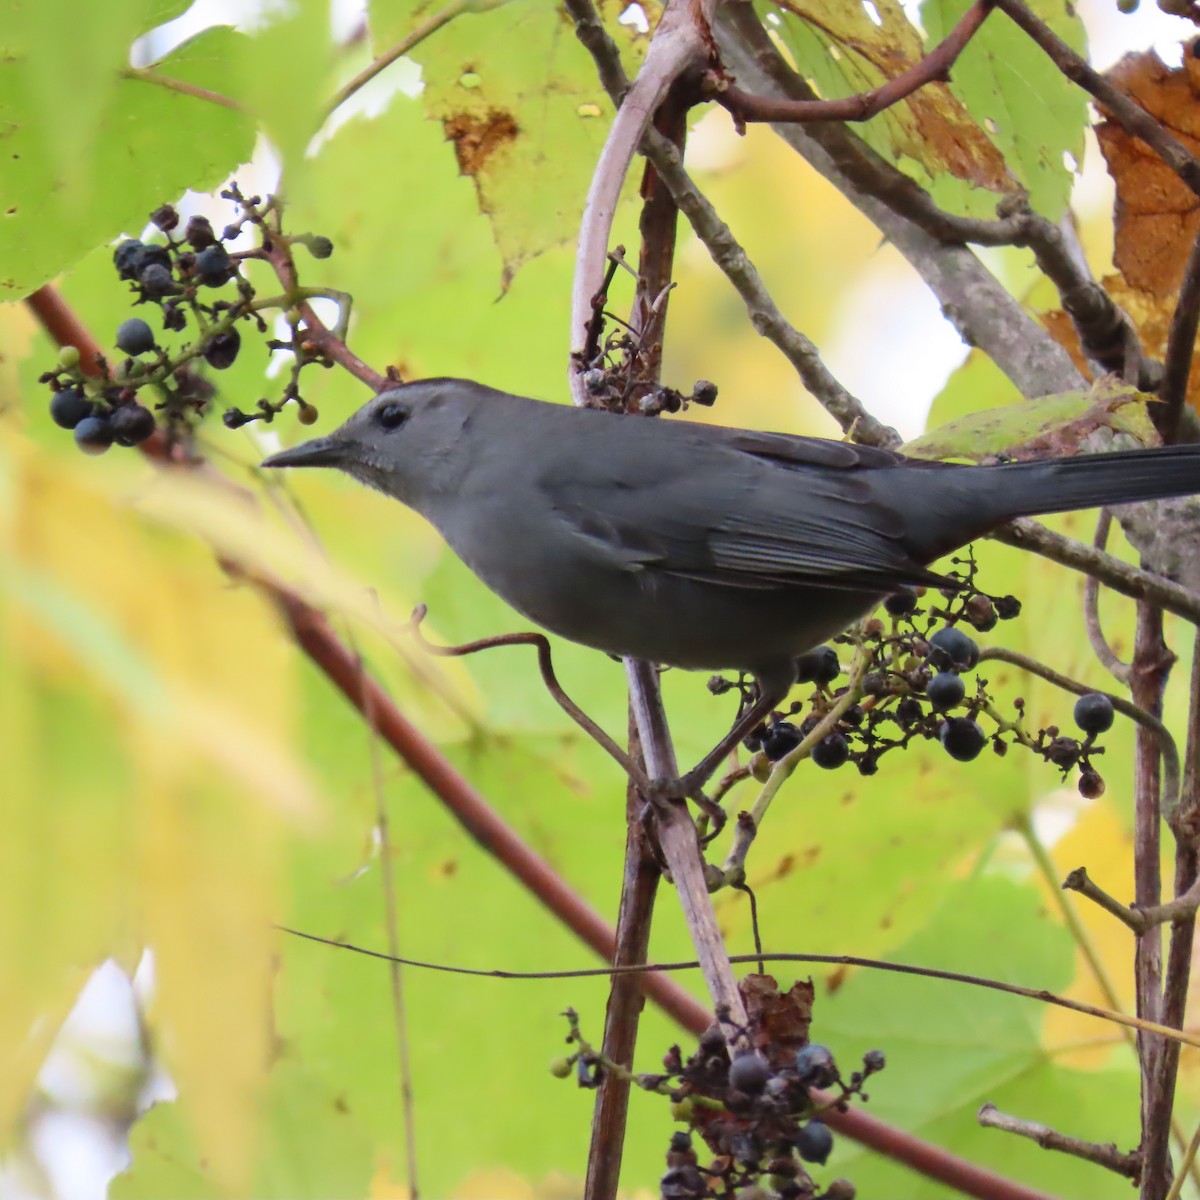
<point>780,1019</point>
<point>1157,214</point>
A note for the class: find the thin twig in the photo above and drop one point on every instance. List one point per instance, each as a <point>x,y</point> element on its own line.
<point>729,781</point>
<point>327,342</point>
<point>869,173</point>
<point>1181,347</point>
<point>1151,665</point>
<point>1178,970</point>
<point>639,887</point>
<point>549,678</point>
<point>1027,534</point>
<point>1080,881</point>
<point>932,67</point>
<point>681,41</point>
<point>1023,824</point>
<point>681,850</point>
<point>170,84</point>
<point>1042,995</point>
<point>1127,1163</point>
<point>734,867</point>
<point>1091,608</point>
<point>595,326</point>
<point>405,46</point>
<point>764,314</point>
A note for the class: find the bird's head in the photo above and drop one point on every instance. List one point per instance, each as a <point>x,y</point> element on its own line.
<point>408,441</point>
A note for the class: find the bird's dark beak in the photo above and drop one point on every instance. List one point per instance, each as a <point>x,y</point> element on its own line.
<point>319,452</point>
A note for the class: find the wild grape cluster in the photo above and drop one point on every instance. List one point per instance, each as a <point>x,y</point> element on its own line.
<point>758,1114</point>
<point>194,284</point>
<point>920,683</point>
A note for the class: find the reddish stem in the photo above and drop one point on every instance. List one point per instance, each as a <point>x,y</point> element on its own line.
<point>934,66</point>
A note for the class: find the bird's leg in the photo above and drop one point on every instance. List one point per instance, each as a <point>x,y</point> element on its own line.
<point>771,693</point>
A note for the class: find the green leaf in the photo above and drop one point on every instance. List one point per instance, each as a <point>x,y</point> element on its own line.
<point>147,144</point>
<point>1031,111</point>
<point>1041,427</point>
<point>284,77</point>
<point>951,1047</point>
<point>75,68</point>
<point>517,96</point>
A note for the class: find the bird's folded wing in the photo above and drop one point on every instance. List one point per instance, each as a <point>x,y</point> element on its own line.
<point>772,528</point>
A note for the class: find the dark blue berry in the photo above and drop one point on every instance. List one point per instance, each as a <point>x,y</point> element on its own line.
<point>93,435</point>
<point>127,258</point>
<point>68,407</point>
<point>962,738</point>
<point>831,752</point>
<point>1094,713</point>
<point>945,690</point>
<point>132,424</point>
<point>135,336</point>
<point>132,257</point>
<point>749,1072</point>
<point>156,281</point>
<point>951,647</point>
<point>819,666</point>
<point>213,266</point>
<point>901,604</point>
<point>780,738</point>
<point>815,1142</point>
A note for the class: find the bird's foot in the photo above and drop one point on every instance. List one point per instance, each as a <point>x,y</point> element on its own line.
<point>688,787</point>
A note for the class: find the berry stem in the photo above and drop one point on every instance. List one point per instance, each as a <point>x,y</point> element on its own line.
<point>1166,743</point>
<point>734,868</point>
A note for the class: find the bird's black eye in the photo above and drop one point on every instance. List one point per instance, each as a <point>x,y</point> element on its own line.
<point>391,415</point>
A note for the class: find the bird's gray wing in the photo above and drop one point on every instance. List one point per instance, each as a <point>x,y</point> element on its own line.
<point>743,510</point>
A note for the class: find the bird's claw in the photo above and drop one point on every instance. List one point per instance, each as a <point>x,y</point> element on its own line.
<point>687,787</point>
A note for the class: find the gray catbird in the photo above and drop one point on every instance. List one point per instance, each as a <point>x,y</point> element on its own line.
<point>693,545</point>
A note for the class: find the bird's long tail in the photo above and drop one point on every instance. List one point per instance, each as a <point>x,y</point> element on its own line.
<point>980,498</point>
<point>1090,480</point>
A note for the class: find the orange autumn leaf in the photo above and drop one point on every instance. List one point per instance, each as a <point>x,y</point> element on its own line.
<point>1157,214</point>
